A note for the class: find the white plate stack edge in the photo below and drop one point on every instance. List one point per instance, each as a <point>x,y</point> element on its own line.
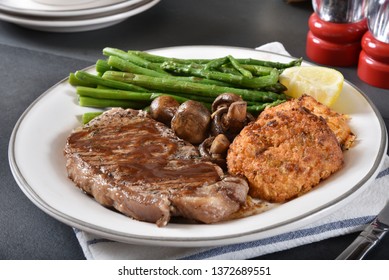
<point>90,15</point>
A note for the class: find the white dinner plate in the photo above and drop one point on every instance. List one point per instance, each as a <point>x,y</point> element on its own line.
<point>79,24</point>
<point>31,7</point>
<point>34,9</point>
<point>38,165</point>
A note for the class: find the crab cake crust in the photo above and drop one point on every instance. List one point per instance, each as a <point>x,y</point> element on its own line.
<point>285,153</point>
<point>336,121</point>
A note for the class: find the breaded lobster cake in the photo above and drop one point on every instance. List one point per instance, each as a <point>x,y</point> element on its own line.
<point>285,153</point>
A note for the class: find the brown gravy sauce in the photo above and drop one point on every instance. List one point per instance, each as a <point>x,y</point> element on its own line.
<point>140,153</point>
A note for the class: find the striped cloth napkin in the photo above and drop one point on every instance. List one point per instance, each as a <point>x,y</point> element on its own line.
<point>351,218</point>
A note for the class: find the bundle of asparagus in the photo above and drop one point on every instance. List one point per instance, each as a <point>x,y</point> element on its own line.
<point>132,79</point>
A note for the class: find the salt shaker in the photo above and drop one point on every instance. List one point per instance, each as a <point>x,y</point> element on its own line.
<point>336,28</point>
<point>373,65</point>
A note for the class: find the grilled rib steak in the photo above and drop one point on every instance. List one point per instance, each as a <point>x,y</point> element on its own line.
<point>129,161</point>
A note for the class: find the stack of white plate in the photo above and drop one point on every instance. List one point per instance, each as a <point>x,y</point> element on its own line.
<point>71,16</point>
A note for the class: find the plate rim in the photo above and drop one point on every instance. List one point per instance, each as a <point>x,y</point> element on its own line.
<point>55,9</point>
<point>181,241</point>
<point>87,13</point>
<point>125,13</point>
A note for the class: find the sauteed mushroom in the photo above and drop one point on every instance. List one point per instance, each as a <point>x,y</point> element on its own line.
<point>219,145</point>
<point>229,115</point>
<point>225,100</point>
<point>215,149</point>
<point>229,120</point>
<point>191,122</point>
<point>163,109</point>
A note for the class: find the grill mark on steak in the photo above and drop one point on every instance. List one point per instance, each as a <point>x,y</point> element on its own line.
<point>128,161</point>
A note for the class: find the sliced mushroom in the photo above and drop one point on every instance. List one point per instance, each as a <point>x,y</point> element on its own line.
<point>163,109</point>
<point>229,120</point>
<point>205,146</point>
<point>215,149</point>
<point>191,122</point>
<point>229,115</point>
<point>218,125</point>
<point>236,116</point>
<point>220,145</point>
<point>225,100</point>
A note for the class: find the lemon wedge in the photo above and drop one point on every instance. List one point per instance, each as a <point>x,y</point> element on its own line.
<point>323,83</point>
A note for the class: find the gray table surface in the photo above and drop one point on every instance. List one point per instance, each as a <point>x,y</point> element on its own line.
<point>32,61</point>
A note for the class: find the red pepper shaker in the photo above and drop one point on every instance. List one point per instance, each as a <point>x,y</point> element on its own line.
<point>373,65</point>
<point>336,28</point>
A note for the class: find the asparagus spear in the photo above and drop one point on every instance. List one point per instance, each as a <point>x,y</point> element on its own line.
<point>237,80</point>
<point>239,68</point>
<point>277,87</point>
<point>116,94</point>
<point>74,81</point>
<point>88,116</point>
<point>257,108</point>
<point>229,60</point>
<point>96,80</point>
<point>95,97</point>
<point>169,84</point>
<point>222,65</point>
<point>216,63</point>
<point>102,66</point>
<point>258,70</point>
<point>127,66</point>
<point>272,64</point>
<point>160,59</point>
<point>86,101</point>
<point>133,58</point>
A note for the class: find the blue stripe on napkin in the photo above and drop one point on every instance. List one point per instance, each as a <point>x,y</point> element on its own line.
<point>281,238</point>
<point>383,173</point>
